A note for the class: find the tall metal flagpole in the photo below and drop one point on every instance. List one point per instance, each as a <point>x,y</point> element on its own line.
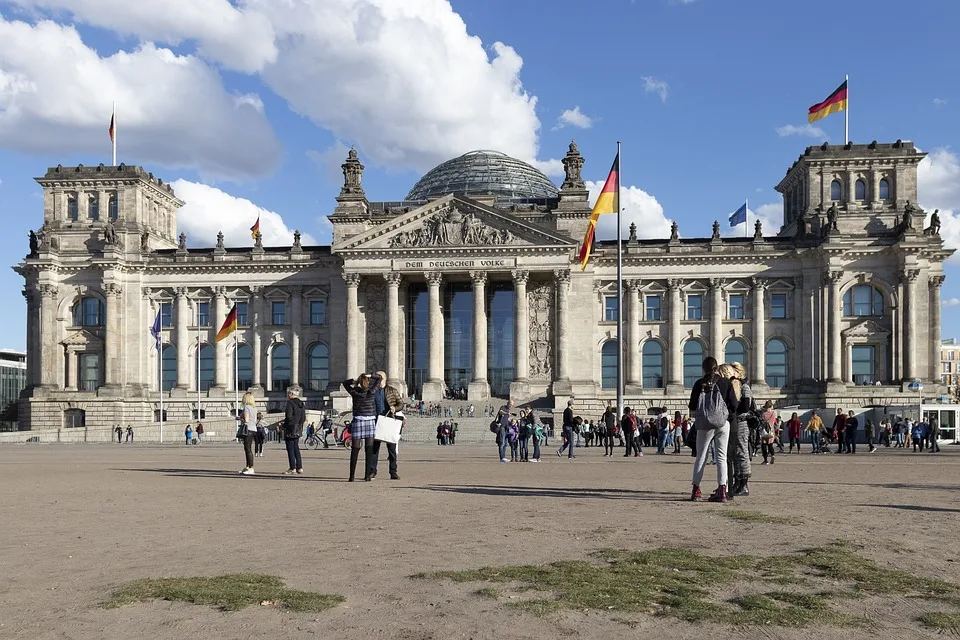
<point>846,113</point>
<point>746,218</point>
<point>114,134</point>
<point>198,361</point>
<point>236,375</point>
<point>160,371</point>
<point>620,340</point>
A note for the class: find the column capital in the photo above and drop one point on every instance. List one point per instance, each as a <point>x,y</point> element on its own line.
<point>478,277</point>
<point>27,294</point>
<point>256,290</point>
<point>180,293</point>
<point>562,276</point>
<point>393,278</point>
<point>219,291</point>
<point>674,283</point>
<point>49,290</point>
<point>520,276</point>
<point>296,291</point>
<point>112,289</point>
<point>717,283</point>
<point>634,284</point>
<point>147,292</point>
<point>909,276</point>
<point>759,284</point>
<point>351,278</point>
<point>936,282</point>
<point>434,277</point>
<point>833,277</point>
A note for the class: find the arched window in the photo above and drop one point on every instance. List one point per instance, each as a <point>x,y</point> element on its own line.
<point>608,365</point>
<point>169,367</point>
<point>206,371</point>
<point>860,190</point>
<point>692,363</point>
<point>113,207</point>
<point>318,367</point>
<point>72,214</point>
<point>862,300</point>
<point>89,312</point>
<point>735,351</point>
<point>836,190</point>
<point>93,208</point>
<point>884,189</point>
<point>652,365</point>
<point>776,363</point>
<point>280,367</point>
<point>244,356</point>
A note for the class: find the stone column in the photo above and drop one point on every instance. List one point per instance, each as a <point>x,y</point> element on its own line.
<point>114,335</point>
<point>73,382</point>
<point>353,325</point>
<point>801,355</point>
<point>433,387</point>
<point>29,298</point>
<point>220,310</point>
<point>935,283</point>
<point>562,277</point>
<point>759,333</point>
<point>521,361</point>
<point>394,373</point>
<point>256,298</point>
<point>910,369</point>
<point>716,318</point>
<point>675,370</point>
<point>48,335</point>
<point>633,333</point>
<point>183,339</point>
<point>835,365</point>
<point>479,386</point>
<point>296,328</point>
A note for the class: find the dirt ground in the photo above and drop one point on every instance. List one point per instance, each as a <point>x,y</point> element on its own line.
<point>78,520</point>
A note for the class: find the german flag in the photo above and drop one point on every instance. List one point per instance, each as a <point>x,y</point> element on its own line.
<point>834,104</point>
<point>229,325</point>
<point>608,202</point>
<point>255,229</point>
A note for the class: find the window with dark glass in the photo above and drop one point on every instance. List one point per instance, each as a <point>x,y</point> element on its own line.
<point>113,207</point>
<point>862,300</point>
<point>89,312</point>
<point>608,365</point>
<point>242,314</point>
<point>206,371</point>
<point>74,418</point>
<point>610,308</point>
<point>280,368</point>
<point>652,363</point>
<point>778,306</point>
<point>203,314</point>
<point>417,337</point>
<point>458,334</point>
<point>318,367</point>
<point>88,371</point>
<point>72,209</point>
<point>836,190</point>
<point>860,190</point>
<point>735,351</point>
<point>169,367</point>
<point>279,314</point>
<point>244,364</point>
<point>653,309</point>
<point>692,363</point>
<point>694,307</point>
<point>93,208</point>
<point>736,306</point>
<point>500,337</point>
<point>166,314</point>
<point>776,373</point>
<point>884,189</point>
<point>863,359</point>
<point>318,312</point>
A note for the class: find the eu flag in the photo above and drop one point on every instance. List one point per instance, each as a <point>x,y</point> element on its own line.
<point>738,216</point>
<point>155,329</point>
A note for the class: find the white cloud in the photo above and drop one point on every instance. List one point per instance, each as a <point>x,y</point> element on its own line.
<point>574,118</point>
<point>938,186</point>
<point>951,302</point>
<point>807,130</point>
<point>657,86</point>
<point>770,216</point>
<point>172,110</point>
<point>939,102</point>
<point>639,207</point>
<point>209,210</point>
<point>552,167</point>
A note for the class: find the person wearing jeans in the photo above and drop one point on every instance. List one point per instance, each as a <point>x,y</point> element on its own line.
<point>294,417</point>
<point>503,417</point>
<point>708,434</point>
<point>567,431</point>
<point>814,426</point>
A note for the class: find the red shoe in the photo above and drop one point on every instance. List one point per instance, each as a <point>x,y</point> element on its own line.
<point>720,495</point>
<point>695,495</point>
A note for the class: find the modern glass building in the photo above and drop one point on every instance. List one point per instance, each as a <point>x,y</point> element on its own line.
<point>13,380</point>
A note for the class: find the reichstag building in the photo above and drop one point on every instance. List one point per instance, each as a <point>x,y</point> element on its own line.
<point>470,283</point>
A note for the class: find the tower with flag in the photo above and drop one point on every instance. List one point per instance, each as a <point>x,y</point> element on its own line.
<point>255,229</point>
<point>835,103</point>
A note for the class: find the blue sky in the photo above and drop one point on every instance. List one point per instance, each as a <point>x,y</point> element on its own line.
<point>256,117</point>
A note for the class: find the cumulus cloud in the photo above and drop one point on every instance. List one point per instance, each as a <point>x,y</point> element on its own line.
<point>770,216</point>
<point>639,207</point>
<point>209,210</point>
<point>950,302</point>
<point>173,110</point>
<point>657,86</point>
<point>939,102</point>
<point>574,118</point>
<point>807,130</point>
<point>938,186</point>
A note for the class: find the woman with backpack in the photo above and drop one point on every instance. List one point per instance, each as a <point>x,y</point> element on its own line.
<point>713,401</point>
<point>746,411</point>
<point>768,432</point>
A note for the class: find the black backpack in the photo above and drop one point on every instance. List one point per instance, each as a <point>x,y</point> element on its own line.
<point>495,426</point>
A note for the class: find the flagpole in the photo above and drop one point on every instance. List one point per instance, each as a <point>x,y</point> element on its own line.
<point>620,341</point>
<point>114,133</point>
<point>236,375</point>
<point>198,361</point>
<point>160,372</point>
<point>746,218</point>
<point>846,113</point>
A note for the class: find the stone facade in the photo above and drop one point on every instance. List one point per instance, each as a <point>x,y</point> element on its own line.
<point>846,293</point>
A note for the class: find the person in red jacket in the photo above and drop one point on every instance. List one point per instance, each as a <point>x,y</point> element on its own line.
<point>794,429</point>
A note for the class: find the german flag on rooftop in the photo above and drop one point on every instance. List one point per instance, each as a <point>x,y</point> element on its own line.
<point>608,202</point>
<point>835,103</point>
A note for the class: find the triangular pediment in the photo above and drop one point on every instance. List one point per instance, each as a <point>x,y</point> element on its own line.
<point>453,221</point>
<point>866,329</point>
<point>83,338</point>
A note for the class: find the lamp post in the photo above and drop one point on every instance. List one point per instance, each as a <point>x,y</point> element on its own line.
<point>918,387</point>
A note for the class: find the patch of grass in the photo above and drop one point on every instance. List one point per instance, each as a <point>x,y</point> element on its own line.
<point>755,517</point>
<point>941,621</point>
<point>488,592</point>
<point>230,592</point>
<point>688,585</point>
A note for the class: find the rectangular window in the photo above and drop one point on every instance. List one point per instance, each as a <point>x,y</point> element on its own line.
<point>862,357</point>
<point>653,309</point>
<point>88,371</point>
<point>202,416</point>
<point>946,367</point>
<point>279,315</point>
<point>318,312</point>
<point>203,314</point>
<point>694,307</point>
<point>736,306</point>
<point>778,305</point>
<point>166,314</point>
<point>242,315</point>
<point>610,308</point>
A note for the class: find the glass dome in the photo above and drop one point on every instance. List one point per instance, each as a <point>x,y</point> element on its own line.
<point>484,173</point>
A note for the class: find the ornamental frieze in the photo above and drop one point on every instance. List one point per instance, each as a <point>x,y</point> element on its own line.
<point>454,229</point>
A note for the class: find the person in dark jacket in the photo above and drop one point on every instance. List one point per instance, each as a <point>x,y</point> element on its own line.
<point>364,424</point>
<point>567,431</point>
<point>852,424</point>
<point>294,417</point>
<point>389,403</point>
<point>719,436</point>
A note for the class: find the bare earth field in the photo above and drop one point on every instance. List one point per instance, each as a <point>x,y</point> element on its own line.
<point>76,521</point>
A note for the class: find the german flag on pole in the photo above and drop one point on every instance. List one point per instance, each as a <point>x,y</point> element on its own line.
<point>608,202</point>
<point>255,229</point>
<point>834,104</point>
<point>229,325</point>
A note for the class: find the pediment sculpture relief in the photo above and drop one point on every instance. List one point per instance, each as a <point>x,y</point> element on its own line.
<point>453,228</point>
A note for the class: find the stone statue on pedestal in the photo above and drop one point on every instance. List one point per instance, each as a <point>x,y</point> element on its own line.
<point>674,231</point>
<point>34,243</point>
<point>109,233</point>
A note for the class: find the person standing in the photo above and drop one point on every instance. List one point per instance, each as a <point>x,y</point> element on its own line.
<point>934,435</point>
<point>364,424</point>
<point>713,401</point>
<point>188,434</point>
<point>326,428</point>
<point>610,424</point>
<point>663,426</point>
<point>850,437</point>
<point>746,407</point>
<point>199,432</point>
<point>840,428</point>
<point>538,434</point>
<point>677,432</point>
<point>769,432</point>
<point>567,431</point>
<point>814,427</point>
<point>248,431</point>
<point>261,436</point>
<point>503,424</point>
<point>295,415</point>
<point>794,429</point>
<point>389,402</point>
<point>129,433</point>
<point>119,432</point>
<point>525,432</point>
<point>869,431</point>
<point>631,433</point>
